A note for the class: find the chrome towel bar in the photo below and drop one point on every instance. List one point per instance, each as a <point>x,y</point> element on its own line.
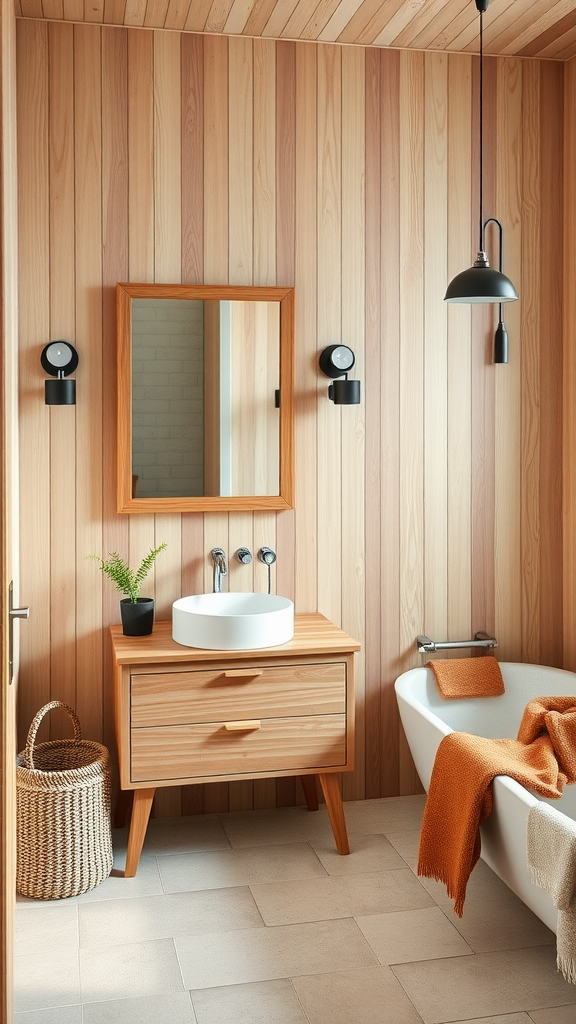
<point>427,646</point>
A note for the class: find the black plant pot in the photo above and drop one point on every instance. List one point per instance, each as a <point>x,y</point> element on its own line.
<point>138,618</point>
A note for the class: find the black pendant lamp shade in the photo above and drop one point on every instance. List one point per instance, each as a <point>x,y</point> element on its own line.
<point>480,283</point>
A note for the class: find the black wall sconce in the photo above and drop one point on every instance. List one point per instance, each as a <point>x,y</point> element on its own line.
<point>336,361</point>
<point>59,359</point>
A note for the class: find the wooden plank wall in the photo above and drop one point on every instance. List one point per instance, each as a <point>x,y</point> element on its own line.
<point>9,497</point>
<point>569,447</point>
<point>435,505</point>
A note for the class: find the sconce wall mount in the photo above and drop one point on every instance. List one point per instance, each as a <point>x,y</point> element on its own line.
<point>336,361</point>
<point>59,359</point>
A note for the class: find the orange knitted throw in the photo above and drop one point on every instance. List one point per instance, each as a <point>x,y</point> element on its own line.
<point>468,677</point>
<point>542,758</point>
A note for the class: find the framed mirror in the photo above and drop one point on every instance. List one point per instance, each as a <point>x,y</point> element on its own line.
<point>205,409</point>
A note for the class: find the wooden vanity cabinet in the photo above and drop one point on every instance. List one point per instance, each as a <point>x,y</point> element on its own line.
<point>185,716</point>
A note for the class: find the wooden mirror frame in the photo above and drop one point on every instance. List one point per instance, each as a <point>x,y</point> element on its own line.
<point>239,503</point>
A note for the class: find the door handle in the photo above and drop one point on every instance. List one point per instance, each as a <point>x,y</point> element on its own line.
<point>13,613</point>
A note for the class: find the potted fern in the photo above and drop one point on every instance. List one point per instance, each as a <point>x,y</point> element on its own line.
<point>137,612</point>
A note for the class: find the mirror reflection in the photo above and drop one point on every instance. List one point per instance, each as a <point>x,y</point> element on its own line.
<point>205,383</point>
<point>205,398</point>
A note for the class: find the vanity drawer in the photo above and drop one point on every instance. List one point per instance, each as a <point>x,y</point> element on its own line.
<point>211,749</point>
<point>180,698</point>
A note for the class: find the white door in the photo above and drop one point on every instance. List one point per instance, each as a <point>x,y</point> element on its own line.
<point>9,498</point>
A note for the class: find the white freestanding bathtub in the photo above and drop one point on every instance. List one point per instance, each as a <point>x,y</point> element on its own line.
<point>426,718</point>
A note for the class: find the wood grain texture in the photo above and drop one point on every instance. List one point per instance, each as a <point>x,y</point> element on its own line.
<point>544,28</point>
<point>569,376</point>
<point>9,497</point>
<point>350,175</point>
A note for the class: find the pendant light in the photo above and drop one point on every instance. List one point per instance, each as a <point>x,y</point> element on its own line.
<point>480,283</point>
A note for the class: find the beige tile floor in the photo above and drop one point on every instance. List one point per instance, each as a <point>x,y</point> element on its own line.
<point>253,918</point>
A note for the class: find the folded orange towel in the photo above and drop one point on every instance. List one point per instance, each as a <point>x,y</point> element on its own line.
<point>468,677</point>
<point>542,758</point>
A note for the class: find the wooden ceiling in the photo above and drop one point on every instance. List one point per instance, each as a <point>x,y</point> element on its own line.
<point>528,28</point>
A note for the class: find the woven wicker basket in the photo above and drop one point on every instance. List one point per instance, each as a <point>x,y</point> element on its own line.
<point>63,814</point>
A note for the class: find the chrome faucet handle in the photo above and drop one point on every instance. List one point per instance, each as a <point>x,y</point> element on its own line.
<point>244,555</point>
<point>267,556</point>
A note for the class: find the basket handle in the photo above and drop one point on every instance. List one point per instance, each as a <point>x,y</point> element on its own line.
<point>35,725</point>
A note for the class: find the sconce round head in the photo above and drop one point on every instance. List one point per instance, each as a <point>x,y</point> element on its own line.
<point>59,359</point>
<point>336,360</point>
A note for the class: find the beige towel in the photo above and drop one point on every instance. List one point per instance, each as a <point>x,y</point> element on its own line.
<point>551,849</point>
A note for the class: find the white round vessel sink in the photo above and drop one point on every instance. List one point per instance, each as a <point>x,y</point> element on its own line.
<point>232,622</point>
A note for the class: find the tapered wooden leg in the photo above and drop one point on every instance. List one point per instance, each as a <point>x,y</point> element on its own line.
<point>123,803</point>
<point>331,790</point>
<point>140,814</point>
<point>310,791</point>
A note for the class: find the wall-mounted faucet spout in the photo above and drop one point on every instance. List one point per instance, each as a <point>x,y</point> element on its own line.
<point>220,568</point>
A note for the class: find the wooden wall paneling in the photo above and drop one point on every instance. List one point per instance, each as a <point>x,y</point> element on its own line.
<point>366,21</point>
<point>353,428</point>
<point>530,360</point>
<point>215,160</point>
<point>569,372</point>
<point>381,180</point>
<point>167,268</point>
<point>34,300</point>
<point>94,12</point>
<point>141,157</point>
<point>411,373</point>
<point>329,255</point>
<point>264,168</point>
<point>483,378</point>
<point>134,13</point>
<point>115,247</point>
<point>197,15</point>
<point>284,213</point>
<point>259,17</point>
<point>31,8</point>
<point>278,18</point>
<point>240,175</point>
<point>237,18</point>
<point>436,583</point>
<point>140,212</point>
<point>73,10</point>
<point>550,511</point>
<point>177,15</point>
<point>218,15</point>
<point>156,11</point>
<point>89,451</point>
<point>62,419</point>
<point>508,513</point>
<point>9,526</point>
<point>386,541</point>
<point>192,59</point>
<point>307,397</point>
<point>460,254</point>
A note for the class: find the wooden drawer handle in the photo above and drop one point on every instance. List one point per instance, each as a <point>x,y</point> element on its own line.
<point>241,673</point>
<point>242,726</point>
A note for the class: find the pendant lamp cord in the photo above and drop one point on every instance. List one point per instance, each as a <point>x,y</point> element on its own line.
<point>481,133</point>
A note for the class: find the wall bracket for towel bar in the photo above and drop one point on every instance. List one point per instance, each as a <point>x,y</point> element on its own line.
<point>427,646</point>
